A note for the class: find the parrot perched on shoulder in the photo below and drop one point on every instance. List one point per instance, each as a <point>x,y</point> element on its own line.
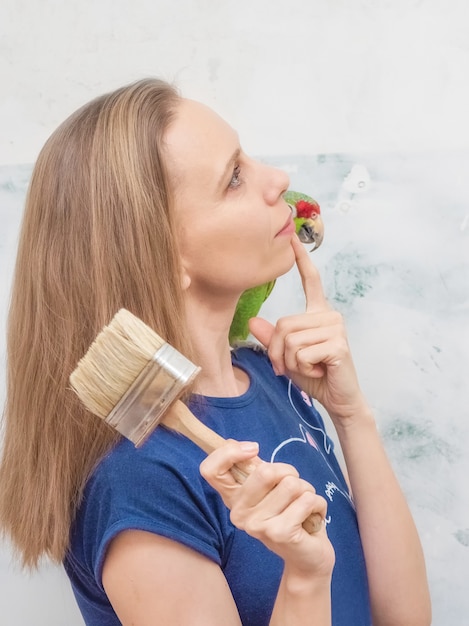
<point>310,229</point>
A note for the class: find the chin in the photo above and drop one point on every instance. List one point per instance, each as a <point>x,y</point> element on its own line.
<point>289,259</point>
<point>285,267</point>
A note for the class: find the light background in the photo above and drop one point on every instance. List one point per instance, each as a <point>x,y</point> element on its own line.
<point>317,87</point>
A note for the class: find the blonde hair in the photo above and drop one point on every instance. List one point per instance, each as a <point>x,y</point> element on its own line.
<point>97,235</point>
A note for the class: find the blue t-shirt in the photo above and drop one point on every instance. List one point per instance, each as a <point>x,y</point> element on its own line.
<point>158,488</point>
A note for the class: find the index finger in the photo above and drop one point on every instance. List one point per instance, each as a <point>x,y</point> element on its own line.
<point>310,279</point>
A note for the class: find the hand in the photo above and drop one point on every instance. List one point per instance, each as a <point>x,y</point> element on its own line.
<point>312,348</point>
<point>271,505</point>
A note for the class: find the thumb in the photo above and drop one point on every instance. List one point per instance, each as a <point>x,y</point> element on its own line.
<point>262,330</point>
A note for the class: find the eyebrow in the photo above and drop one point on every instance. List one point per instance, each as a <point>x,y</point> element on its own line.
<point>229,167</point>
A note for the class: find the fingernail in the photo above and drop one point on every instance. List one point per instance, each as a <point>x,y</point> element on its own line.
<point>249,446</point>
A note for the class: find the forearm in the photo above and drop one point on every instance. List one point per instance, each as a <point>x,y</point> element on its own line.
<point>393,553</point>
<point>302,601</point>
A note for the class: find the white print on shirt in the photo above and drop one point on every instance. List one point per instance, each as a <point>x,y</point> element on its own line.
<point>306,437</point>
<point>331,488</point>
<point>307,400</point>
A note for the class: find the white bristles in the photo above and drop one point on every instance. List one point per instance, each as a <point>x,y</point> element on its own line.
<point>114,360</point>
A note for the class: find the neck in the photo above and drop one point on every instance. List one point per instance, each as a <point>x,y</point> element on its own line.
<point>209,327</point>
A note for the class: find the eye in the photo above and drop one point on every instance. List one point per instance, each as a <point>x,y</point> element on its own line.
<point>236,178</point>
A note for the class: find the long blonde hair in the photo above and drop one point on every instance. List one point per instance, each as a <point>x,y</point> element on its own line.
<point>97,235</point>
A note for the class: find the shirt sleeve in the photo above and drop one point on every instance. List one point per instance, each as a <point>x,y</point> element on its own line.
<point>157,488</point>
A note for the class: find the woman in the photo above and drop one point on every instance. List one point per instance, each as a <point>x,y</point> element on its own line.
<point>145,200</point>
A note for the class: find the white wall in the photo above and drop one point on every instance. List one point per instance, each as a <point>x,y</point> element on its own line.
<point>294,77</point>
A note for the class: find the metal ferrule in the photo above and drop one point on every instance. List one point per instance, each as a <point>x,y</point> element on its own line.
<point>160,382</point>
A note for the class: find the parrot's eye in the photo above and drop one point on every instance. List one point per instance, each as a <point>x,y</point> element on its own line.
<point>236,178</point>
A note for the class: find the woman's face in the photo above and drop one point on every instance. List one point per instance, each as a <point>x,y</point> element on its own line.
<point>234,229</point>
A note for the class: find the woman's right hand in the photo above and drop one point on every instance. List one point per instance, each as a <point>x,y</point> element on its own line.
<point>271,506</point>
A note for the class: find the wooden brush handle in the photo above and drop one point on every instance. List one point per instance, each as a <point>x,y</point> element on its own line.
<point>180,418</point>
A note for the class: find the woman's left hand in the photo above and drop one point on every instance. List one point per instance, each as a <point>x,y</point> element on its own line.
<point>312,348</point>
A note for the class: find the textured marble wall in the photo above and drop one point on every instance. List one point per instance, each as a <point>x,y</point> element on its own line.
<point>395,262</point>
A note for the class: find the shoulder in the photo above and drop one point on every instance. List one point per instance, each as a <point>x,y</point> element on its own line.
<point>127,473</point>
<point>156,488</point>
<point>252,356</point>
<point>154,481</point>
<point>255,360</point>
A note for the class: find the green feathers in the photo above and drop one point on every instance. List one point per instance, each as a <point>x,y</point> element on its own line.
<point>248,306</point>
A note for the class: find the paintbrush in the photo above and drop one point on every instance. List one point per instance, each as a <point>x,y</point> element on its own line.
<point>132,379</point>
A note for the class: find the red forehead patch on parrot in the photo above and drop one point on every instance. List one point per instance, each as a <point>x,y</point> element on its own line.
<point>306,209</point>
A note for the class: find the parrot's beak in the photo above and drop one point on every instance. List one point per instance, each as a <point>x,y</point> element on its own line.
<point>311,230</point>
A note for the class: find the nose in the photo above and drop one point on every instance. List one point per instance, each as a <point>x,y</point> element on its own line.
<point>277,183</point>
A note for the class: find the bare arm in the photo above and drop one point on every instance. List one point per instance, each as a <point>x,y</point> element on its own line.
<point>394,558</point>
<point>152,580</point>
<point>312,348</point>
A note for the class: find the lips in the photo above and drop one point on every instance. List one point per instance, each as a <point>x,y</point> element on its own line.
<point>288,228</point>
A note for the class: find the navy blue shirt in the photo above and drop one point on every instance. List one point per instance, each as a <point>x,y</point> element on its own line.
<point>158,488</point>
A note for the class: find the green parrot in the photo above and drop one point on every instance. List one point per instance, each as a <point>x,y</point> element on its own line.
<point>310,229</point>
